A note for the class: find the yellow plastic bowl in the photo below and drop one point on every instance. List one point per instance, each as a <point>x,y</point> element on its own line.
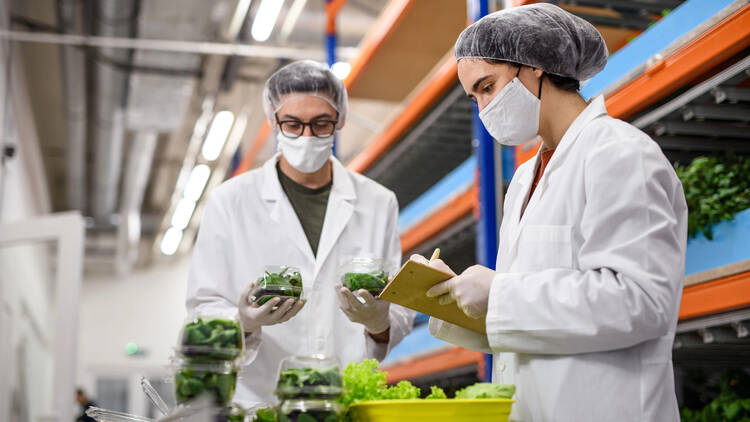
<point>433,410</point>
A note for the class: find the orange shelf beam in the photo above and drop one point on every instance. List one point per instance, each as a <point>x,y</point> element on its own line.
<point>721,42</point>
<point>458,207</point>
<point>249,158</point>
<point>720,295</point>
<point>376,37</point>
<point>445,77</point>
<point>443,360</point>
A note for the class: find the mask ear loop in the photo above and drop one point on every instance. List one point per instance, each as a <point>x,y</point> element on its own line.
<point>541,78</point>
<point>539,96</point>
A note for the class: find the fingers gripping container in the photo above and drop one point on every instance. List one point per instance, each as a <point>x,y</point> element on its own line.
<point>365,273</point>
<point>277,281</point>
<point>211,338</point>
<point>309,377</point>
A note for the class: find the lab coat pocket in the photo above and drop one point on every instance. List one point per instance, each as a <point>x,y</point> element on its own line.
<point>545,246</point>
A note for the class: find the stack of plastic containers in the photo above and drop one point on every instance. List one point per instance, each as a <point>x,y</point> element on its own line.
<point>209,353</point>
<point>308,389</point>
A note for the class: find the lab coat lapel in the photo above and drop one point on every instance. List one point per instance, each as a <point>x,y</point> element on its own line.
<point>594,110</point>
<point>516,219</point>
<point>281,211</point>
<point>338,212</point>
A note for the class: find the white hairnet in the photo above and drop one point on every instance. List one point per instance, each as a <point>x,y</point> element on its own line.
<point>540,35</point>
<point>304,77</point>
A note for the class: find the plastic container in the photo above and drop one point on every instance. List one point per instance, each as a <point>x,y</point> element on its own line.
<point>232,414</point>
<point>433,410</point>
<point>309,411</point>
<point>104,415</point>
<point>211,338</point>
<point>192,379</point>
<point>365,273</point>
<point>310,377</point>
<point>277,281</point>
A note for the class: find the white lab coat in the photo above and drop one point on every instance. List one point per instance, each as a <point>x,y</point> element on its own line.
<point>583,310</point>
<point>249,223</point>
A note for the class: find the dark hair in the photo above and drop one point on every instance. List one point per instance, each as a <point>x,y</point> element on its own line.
<point>560,82</point>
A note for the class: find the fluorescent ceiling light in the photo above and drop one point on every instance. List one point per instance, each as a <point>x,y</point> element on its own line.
<point>217,134</point>
<point>240,13</point>
<point>182,213</point>
<point>171,241</point>
<point>292,16</point>
<point>196,182</point>
<point>341,69</point>
<point>265,19</point>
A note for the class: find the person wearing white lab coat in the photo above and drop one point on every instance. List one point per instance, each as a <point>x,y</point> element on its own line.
<point>302,208</point>
<point>582,309</point>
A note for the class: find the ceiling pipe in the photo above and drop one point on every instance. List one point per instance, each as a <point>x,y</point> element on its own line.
<point>113,18</point>
<point>74,77</point>
<point>140,156</point>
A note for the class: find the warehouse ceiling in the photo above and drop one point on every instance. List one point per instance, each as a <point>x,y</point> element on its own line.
<point>115,125</point>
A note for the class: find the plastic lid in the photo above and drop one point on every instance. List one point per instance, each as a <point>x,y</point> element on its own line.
<point>308,406</point>
<point>315,377</point>
<point>212,338</point>
<point>104,415</point>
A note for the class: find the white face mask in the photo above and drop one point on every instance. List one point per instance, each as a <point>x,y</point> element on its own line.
<point>512,117</point>
<point>306,153</point>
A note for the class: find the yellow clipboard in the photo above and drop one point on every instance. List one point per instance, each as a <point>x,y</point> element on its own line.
<point>408,289</point>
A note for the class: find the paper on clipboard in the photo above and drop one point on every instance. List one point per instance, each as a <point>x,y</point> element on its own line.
<point>408,289</point>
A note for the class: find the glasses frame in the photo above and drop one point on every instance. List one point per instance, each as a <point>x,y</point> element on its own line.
<point>307,124</point>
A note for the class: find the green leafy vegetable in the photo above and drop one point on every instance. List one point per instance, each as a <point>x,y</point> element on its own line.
<point>486,390</point>
<point>282,284</point>
<point>190,383</point>
<point>309,383</point>
<point>266,414</point>
<point>436,393</point>
<point>404,390</point>
<point>715,189</point>
<point>310,416</point>
<point>362,382</point>
<point>729,406</point>
<point>212,339</point>
<point>374,282</point>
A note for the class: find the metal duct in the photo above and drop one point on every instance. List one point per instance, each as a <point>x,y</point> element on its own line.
<point>140,155</point>
<point>74,77</point>
<point>114,18</point>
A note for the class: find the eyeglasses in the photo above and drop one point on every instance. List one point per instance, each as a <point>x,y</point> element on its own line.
<point>320,128</point>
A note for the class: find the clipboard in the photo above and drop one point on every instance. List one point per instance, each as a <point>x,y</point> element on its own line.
<point>408,289</point>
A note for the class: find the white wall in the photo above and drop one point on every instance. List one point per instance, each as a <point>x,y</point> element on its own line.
<point>148,308</point>
<point>26,282</point>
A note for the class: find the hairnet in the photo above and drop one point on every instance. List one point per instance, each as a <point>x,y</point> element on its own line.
<point>304,77</point>
<point>540,35</point>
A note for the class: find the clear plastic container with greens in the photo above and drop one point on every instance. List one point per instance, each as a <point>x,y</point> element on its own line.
<point>193,379</point>
<point>310,377</point>
<point>365,273</point>
<point>211,338</point>
<point>277,281</point>
<point>309,411</point>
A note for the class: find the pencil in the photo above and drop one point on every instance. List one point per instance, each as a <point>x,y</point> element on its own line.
<point>435,255</point>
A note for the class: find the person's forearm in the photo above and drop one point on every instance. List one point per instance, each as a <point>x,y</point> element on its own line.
<point>383,337</point>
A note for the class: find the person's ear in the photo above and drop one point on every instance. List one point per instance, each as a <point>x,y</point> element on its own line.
<point>538,72</point>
